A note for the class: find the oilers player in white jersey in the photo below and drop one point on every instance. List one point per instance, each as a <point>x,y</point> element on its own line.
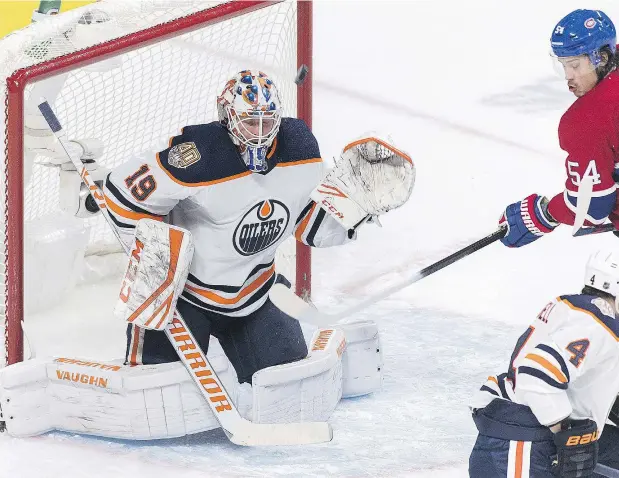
<point>545,416</point>
<point>241,187</point>
<point>238,187</point>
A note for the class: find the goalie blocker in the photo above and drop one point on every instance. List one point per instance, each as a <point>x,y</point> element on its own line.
<point>161,401</point>
<point>156,274</point>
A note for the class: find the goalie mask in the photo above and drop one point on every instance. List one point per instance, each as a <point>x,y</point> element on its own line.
<point>250,108</point>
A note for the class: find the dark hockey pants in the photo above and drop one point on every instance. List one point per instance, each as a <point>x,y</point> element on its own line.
<point>512,443</point>
<point>264,338</point>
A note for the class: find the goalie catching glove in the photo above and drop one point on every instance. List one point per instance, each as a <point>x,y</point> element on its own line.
<point>371,177</point>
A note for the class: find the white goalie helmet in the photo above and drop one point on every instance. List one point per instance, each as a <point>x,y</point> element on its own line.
<point>250,108</point>
<point>602,273</point>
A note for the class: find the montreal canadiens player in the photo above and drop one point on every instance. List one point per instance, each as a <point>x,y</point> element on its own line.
<point>546,415</point>
<point>584,43</point>
<point>240,186</point>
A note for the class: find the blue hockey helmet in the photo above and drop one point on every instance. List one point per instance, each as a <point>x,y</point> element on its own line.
<point>584,32</point>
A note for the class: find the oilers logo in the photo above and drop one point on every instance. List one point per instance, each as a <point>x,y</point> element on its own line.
<point>261,227</point>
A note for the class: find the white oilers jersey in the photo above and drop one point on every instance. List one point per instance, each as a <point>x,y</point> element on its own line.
<point>565,364</point>
<point>237,218</point>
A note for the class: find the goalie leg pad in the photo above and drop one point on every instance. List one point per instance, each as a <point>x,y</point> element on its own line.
<point>362,363</point>
<point>106,399</point>
<point>302,391</point>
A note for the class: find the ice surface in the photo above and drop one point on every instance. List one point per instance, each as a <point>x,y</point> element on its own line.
<point>467,88</point>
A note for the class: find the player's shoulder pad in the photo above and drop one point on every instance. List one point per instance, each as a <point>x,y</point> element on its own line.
<point>200,155</point>
<point>596,307</point>
<point>295,143</point>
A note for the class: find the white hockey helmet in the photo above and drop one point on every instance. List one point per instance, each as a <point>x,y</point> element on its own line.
<point>250,108</point>
<point>602,273</point>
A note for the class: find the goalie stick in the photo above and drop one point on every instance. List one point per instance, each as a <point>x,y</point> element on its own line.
<point>606,471</point>
<point>239,430</point>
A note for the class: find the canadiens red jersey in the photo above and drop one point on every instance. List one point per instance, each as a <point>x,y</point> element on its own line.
<point>589,134</point>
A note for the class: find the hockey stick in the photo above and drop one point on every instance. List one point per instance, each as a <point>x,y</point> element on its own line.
<point>238,429</point>
<point>585,231</point>
<point>606,471</point>
<point>288,302</point>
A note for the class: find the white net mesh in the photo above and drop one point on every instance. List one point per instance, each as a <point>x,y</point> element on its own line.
<point>132,103</point>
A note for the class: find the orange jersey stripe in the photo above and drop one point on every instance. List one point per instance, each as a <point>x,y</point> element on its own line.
<point>213,297</point>
<point>272,152</point>
<point>301,228</point>
<point>129,214</point>
<point>493,379</point>
<point>202,183</point>
<point>297,163</point>
<point>548,366</point>
<point>573,307</point>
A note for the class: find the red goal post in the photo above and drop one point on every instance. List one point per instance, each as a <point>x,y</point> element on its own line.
<point>137,47</point>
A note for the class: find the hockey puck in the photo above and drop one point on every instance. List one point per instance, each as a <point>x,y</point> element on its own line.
<point>301,75</point>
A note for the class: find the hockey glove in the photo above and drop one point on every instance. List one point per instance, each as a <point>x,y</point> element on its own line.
<point>526,221</point>
<point>577,449</point>
<point>371,177</point>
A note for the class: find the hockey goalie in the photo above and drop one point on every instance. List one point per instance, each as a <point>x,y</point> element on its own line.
<point>202,221</point>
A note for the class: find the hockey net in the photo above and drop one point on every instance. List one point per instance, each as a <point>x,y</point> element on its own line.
<point>130,74</point>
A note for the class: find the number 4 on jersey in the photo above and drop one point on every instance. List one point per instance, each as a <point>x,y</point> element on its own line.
<point>578,349</point>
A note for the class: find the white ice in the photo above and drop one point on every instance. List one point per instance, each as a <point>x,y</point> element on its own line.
<point>468,89</point>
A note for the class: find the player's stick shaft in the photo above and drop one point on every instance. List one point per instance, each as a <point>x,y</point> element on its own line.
<point>585,231</point>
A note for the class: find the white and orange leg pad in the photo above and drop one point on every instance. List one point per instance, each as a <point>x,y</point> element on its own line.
<point>302,391</point>
<point>105,399</point>
<point>362,362</point>
<point>156,274</point>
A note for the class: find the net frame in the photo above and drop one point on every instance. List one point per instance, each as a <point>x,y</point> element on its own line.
<point>16,85</point>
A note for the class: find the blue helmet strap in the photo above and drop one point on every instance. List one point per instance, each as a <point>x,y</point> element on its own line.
<point>256,158</point>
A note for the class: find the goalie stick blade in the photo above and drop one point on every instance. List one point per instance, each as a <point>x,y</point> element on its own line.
<point>263,434</point>
<point>289,303</point>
